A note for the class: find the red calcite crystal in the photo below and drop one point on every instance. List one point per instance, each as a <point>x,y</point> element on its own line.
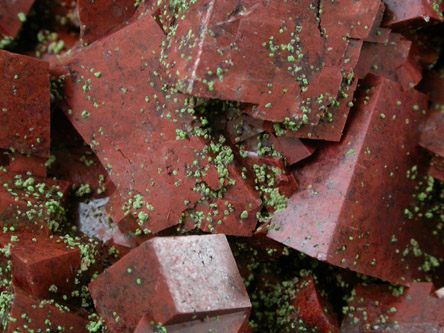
<point>216,215</point>
<point>32,203</point>
<point>331,126</point>
<point>329,216</point>
<point>391,60</point>
<point>298,67</point>
<point>301,125</point>
<point>24,106</point>
<point>40,265</point>
<point>23,163</point>
<point>172,279</point>
<point>31,314</point>
<point>403,14</point>
<point>12,16</point>
<point>311,310</point>
<point>383,308</point>
<point>431,137</point>
<point>99,17</point>
<point>293,149</point>
<point>378,34</point>
<point>144,134</point>
<point>260,156</point>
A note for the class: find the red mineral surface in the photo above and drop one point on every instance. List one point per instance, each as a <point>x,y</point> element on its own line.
<point>32,203</point>
<point>98,17</point>
<point>402,14</point>
<point>42,266</point>
<point>311,310</point>
<point>384,308</point>
<point>391,60</point>
<point>29,313</point>
<point>24,87</point>
<point>298,66</point>
<point>328,218</point>
<point>12,16</point>
<point>431,138</point>
<point>118,95</point>
<point>23,163</point>
<point>179,279</point>
<point>235,166</point>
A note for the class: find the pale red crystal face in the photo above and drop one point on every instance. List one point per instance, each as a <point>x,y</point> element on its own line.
<point>178,280</point>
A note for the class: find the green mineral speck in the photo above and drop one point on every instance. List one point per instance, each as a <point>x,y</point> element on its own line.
<point>22,17</point>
